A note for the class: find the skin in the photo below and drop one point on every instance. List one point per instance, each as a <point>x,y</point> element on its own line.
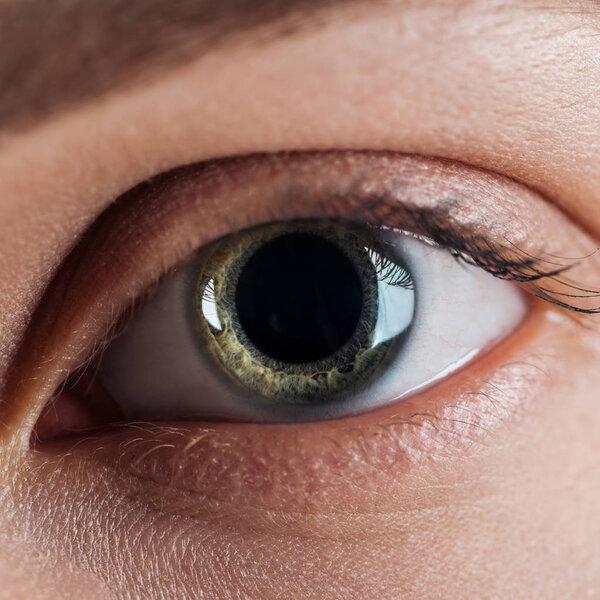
<point>510,88</point>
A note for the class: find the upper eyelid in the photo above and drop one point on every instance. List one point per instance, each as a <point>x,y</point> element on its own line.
<point>501,256</point>
<point>163,221</point>
<point>444,220</point>
<point>523,258</point>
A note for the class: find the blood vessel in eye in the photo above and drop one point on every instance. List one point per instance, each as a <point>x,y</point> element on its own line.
<point>299,298</point>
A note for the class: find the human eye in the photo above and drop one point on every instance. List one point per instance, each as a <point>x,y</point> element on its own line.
<point>304,320</point>
<point>340,295</point>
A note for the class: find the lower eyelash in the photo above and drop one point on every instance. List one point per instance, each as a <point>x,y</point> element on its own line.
<point>212,463</point>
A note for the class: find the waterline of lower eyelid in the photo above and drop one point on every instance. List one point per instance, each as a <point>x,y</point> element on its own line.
<point>454,366</point>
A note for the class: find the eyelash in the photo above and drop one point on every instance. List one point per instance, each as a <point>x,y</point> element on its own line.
<point>530,270</point>
<point>431,225</point>
<point>390,272</point>
<point>508,262</point>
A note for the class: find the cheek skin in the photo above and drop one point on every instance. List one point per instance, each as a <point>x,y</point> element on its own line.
<point>28,575</point>
<point>489,525</point>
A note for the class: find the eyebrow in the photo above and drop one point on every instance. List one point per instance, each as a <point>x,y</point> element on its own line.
<point>58,53</point>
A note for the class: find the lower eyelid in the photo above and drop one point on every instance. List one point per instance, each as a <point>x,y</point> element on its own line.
<point>227,469</point>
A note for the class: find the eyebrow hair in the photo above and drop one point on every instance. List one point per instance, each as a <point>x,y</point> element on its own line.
<point>57,53</point>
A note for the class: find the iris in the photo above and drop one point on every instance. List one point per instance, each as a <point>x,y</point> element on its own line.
<point>297,312</point>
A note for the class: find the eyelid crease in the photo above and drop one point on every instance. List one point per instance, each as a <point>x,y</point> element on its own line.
<point>161,223</point>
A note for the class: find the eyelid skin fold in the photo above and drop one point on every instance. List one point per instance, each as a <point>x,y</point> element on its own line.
<point>163,221</point>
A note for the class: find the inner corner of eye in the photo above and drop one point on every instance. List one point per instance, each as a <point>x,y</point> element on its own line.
<point>79,406</point>
<point>296,321</point>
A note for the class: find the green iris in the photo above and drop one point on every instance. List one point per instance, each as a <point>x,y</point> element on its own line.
<point>295,312</point>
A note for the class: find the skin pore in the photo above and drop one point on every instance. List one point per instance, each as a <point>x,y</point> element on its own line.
<point>509,88</point>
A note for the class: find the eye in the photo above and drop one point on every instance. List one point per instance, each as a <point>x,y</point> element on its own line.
<point>292,288</point>
<point>304,320</point>
<point>275,330</point>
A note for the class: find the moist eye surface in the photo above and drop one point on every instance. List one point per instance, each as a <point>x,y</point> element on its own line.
<point>304,320</point>
<point>294,312</point>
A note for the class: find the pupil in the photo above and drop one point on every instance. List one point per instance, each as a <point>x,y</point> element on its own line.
<point>299,298</point>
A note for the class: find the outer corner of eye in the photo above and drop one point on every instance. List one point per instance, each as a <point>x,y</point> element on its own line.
<point>305,320</point>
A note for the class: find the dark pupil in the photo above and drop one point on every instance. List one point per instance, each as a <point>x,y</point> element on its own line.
<point>299,298</point>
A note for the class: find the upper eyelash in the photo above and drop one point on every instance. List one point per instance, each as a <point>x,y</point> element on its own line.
<point>516,265</point>
<point>507,262</point>
<point>391,272</point>
<point>513,264</point>
<point>384,209</point>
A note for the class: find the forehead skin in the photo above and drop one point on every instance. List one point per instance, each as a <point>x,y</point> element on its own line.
<point>508,86</point>
<point>54,54</point>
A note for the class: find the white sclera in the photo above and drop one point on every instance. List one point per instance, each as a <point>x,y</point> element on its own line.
<point>157,369</point>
